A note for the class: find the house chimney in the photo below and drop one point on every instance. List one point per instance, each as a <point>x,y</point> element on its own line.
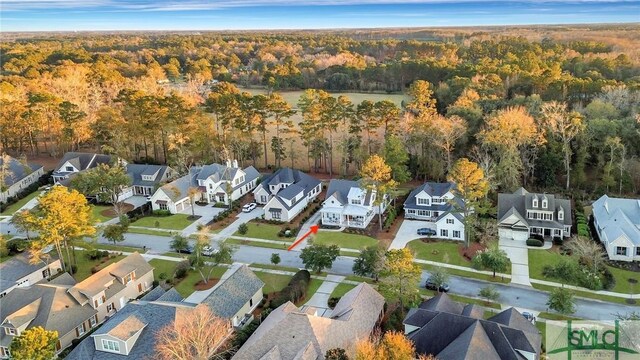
<point>235,163</point>
<point>228,163</point>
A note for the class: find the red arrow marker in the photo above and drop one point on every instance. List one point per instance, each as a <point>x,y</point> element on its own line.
<point>314,230</point>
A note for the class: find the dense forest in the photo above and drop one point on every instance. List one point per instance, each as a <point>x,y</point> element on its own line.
<point>532,106</point>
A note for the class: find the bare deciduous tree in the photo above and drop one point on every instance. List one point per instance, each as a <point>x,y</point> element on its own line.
<point>196,334</point>
<point>588,252</point>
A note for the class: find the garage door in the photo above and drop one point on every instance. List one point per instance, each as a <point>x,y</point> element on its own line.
<point>513,234</point>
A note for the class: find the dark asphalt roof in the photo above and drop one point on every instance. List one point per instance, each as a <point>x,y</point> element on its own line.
<point>83,161</point>
<point>521,201</point>
<point>16,268</point>
<point>18,170</point>
<point>135,172</point>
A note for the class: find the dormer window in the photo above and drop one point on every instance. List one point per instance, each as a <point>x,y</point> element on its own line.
<point>109,345</point>
<point>561,214</point>
<point>68,168</point>
<point>11,331</point>
<point>535,202</point>
<point>355,202</point>
<point>129,278</point>
<point>544,203</point>
<point>423,201</point>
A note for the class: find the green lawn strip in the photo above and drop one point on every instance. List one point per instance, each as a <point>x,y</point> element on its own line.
<point>151,232</point>
<point>264,231</point>
<point>314,285</point>
<point>622,281</point>
<point>585,294</point>
<point>121,248</point>
<point>175,255</point>
<point>186,286</point>
<point>85,264</point>
<point>554,316</point>
<point>542,327</point>
<point>166,267</point>
<point>273,282</point>
<point>11,209</point>
<point>275,267</point>
<point>341,289</point>
<point>463,299</point>
<point>349,253</point>
<point>470,274</point>
<point>171,222</point>
<point>257,244</point>
<point>4,258</point>
<point>441,251</point>
<point>344,240</point>
<point>96,213</point>
<point>359,279</point>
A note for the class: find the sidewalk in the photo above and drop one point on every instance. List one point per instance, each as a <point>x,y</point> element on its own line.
<point>306,227</point>
<point>320,299</point>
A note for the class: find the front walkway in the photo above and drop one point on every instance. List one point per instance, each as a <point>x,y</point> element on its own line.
<point>320,300</point>
<point>206,213</point>
<point>518,254</point>
<point>306,227</point>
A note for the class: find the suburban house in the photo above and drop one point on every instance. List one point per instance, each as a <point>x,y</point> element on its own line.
<point>145,178</point>
<point>449,330</point>
<point>75,162</point>
<point>523,214</point>
<point>111,288</point>
<point>234,297</point>
<point>290,333</point>
<point>212,183</point>
<point>347,204</point>
<point>438,207</point>
<point>617,222</point>
<point>19,272</point>
<point>286,193</point>
<point>17,176</point>
<point>130,333</point>
<point>45,304</point>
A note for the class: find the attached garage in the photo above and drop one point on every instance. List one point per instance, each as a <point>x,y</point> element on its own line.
<point>513,234</point>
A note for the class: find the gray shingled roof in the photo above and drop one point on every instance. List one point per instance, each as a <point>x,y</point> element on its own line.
<point>135,172</point>
<point>155,315</point>
<point>18,170</point>
<point>340,189</point>
<point>617,217</point>
<point>299,182</point>
<point>521,201</point>
<point>83,161</point>
<point>234,292</point>
<point>179,188</point>
<point>459,335</point>
<point>16,268</point>
<point>250,174</point>
<point>56,309</point>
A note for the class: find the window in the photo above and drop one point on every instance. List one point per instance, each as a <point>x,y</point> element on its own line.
<point>355,202</point>
<point>449,221</point>
<point>68,168</point>
<point>93,321</point>
<point>4,352</point>
<point>99,301</point>
<point>621,250</point>
<point>638,251</point>
<point>210,186</point>
<point>275,215</point>
<point>456,234</point>
<point>422,201</point>
<point>544,203</point>
<point>411,211</point>
<point>46,273</point>
<point>424,212</point>
<point>250,302</point>
<point>110,307</point>
<point>10,331</point>
<point>129,278</point>
<point>263,198</point>
<point>535,202</point>
<point>561,215</point>
<point>80,330</point>
<point>110,345</point>
<point>163,206</point>
<point>444,232</point>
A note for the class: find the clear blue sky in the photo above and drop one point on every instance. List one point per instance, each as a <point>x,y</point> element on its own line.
<point>46,15</point>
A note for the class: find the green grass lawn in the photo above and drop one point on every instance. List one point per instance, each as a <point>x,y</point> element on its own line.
<point>341,289</point>
<point>275,267</point>
<point>283,246</point>
<point>314,285</point>
<point>151,232</point>
<point>344,240</point>
<point>171,222</point>
<point>116,248</point>
<point>264,231</point>
<point>175,255</point>
<point>622,281</point>
<point>463,299</point>
<point>96,211</point>
<point>585,294</point>
<point>273,282</point>
<point>359,279</point>
<point>163,266</point>
<point>186,286</point>
<point>85,264</point>
<point>440,251</point>
<point>11,209</point>
<point>471,274</point>
<point>555,316</point>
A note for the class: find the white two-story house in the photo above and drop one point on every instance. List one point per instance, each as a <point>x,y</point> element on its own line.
<point>439,209</point>
<point>286,193</point>
<point>617,222</point>
<point>75,162</point>
<point>146,178</point>
<point>17,176</point>
<point>349,205</point>
<point>523,214</point>
<point>213,183</point>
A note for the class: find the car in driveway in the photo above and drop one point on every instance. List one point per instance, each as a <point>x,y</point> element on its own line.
<point>249,207</point>
<point>529,316</point>
<point>188,250</point>
<point>209,251</point>
<point>431,285</point>
<point>426,232</point>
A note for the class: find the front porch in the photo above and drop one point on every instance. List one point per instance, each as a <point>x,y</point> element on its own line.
<point>346,220</point>
<point>546,233</point>
<point>142,190</point>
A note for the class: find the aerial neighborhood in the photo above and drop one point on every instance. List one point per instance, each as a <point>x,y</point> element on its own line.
<point>317,195</point>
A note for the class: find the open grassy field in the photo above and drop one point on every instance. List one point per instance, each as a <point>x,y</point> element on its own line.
<point>171,222</point>
<point>440,251</point>
<point>344,240</point>
<point>11,209</point>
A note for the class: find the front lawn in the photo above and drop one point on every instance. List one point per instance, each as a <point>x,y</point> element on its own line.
<point>622,281</point>
<point>171,222</point>
<point>344,240</point>
<point>282,246</point>
<point>145,231</point>
<point>273,282</point>
<point>85,264</point>
<point>264,231</point>
<point>440,251</point>
<point>11,209</point>
<point>341,289</point>
<point>187,285</point>
<point>163,267</point>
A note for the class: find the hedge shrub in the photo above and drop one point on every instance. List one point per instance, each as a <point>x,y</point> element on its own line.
<point>535,242</point>
<point>294,291</point>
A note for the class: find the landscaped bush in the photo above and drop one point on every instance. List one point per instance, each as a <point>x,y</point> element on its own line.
<point>294,291</point>
<point>558,240</point>
<point>391,216</point>
<point>288,232</point>
<point>538,237</point>
<point>333,302</point>
<point>583,230</point>
<point>182,269</point>
<point>161,212</point>
<point>535,242</point>
<point>16,246</point>
<point>243,229</point>
<point>572,273</point>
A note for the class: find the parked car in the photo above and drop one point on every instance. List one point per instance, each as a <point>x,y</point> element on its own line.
<point>249,207</point>
<point>426,231</point>
<point>529,316</point>
<point>187,250</point>
<point>148,198</point>
<point>208,251</point>
<point>430,285</point>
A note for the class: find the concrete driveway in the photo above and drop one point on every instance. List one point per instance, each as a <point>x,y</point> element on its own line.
<point>320,300</point>
<point>240,219</point>
<point>409,231</point>
<point>136,201</point>
<point>519,255</point>
<point>206,214</point>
